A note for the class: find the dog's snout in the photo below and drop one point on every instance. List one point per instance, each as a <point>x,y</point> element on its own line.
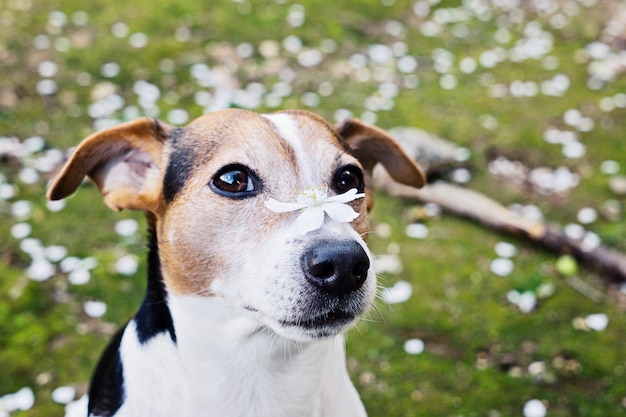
<point>336,267</point>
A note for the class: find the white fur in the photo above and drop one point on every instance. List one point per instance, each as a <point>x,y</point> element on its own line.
<point>153,382</point>
<point>287,128</point>
<point>236,367</point>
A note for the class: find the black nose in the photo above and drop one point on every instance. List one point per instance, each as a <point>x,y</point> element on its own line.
<point>336,267</point>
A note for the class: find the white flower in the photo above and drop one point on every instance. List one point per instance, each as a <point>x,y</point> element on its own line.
<point>314,204</point>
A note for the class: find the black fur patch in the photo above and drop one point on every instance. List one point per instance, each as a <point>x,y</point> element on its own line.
<point>179,169</point>
<point>154,316</point>
<point>106,392</point>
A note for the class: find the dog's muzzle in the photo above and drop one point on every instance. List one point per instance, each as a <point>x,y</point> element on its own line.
<point>336,267</point>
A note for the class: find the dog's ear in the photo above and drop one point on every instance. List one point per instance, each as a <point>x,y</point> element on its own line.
<point>125,162</point>
<point>371,145</point>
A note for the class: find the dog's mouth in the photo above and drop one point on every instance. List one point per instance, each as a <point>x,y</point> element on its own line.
<point>331,319</point>
<point>328,324</point>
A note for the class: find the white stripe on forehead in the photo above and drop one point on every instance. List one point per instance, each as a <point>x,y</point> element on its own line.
<point>287,128</point>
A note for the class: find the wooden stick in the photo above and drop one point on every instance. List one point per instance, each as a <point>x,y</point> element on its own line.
<point>470,204</point>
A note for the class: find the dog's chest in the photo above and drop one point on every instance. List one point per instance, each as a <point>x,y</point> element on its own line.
<point>154,381</point>
<point>229,367</point>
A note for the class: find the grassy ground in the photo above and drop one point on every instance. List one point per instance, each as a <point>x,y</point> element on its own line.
<point>484,78</point>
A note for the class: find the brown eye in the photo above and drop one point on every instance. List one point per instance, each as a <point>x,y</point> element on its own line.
<point>235,181</point>
<point>347,178</point>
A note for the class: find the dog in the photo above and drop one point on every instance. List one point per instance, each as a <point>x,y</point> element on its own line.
<point>257,261</point>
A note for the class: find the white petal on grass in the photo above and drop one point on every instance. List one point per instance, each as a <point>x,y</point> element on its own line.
<point>178,116</point>
<point>47,87</point>
<point>502,266</point>
<point>534,408</point>
<point>21,230</point>
<point>89,263</point>
<point>587,215</point>
<point>416,231</point>
<point>79,276</point>
<point>597,322</point>
<point>407,64</point>
<point>310,58</point>
<point>95,309</point>
<point>32,247</point>
<point>63,395</point>
<point>138,40</point>
<point>505,250</point>
<point>383,230</point>
<point>22,400</point>
<point>47,69</point>
<point>526,301</point>
<point>574,150</point>
<point>69,264</point>
<point>448,82</point>
<point>40,270</point>
<point>468,65</point>
<point>388,263</point>
<point>28,175</point>
<point>609,167</point>
<point>400,292</point>
<point>292,44</point>
<point>55,253</point>
<point>127,265</point>
<point>414,346</point>
<point>127,227</point>
<point>21,209</point>
<point>7,191</point>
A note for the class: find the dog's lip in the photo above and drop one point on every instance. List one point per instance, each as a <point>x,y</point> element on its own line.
<point>322,325</point>
<point>334,318</point>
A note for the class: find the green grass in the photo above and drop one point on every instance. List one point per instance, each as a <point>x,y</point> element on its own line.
<point>478,346</point>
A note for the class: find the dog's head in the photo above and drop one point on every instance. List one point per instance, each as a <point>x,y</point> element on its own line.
<point>267,212</point>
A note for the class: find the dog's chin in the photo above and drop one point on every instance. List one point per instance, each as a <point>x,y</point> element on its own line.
<point>315,328</point>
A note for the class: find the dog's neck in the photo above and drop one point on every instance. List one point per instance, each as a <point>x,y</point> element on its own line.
<point>229,360</point>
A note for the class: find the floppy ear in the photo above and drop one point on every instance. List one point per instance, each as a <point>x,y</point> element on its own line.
<point>125,162</point>
<point>371,145</point>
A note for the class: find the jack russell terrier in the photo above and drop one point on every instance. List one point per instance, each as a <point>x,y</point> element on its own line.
<point>257,262</point>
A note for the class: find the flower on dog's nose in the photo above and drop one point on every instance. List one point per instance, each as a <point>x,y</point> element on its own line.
<point>314,204</point>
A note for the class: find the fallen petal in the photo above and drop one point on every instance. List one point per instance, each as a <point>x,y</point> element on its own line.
<point>597,322</point>
<point>399,293</point>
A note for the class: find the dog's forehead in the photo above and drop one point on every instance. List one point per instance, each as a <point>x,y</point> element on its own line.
<point>298,145</point>
<point>313,145</point>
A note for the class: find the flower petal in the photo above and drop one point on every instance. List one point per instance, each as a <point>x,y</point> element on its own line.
<point>346,197</point>
<point>340,212</point>
<point>310,219</point>
<point>280,207</point>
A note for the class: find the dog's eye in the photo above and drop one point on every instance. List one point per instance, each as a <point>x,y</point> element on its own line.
<point>347,178</point>
<point>235,181</point>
